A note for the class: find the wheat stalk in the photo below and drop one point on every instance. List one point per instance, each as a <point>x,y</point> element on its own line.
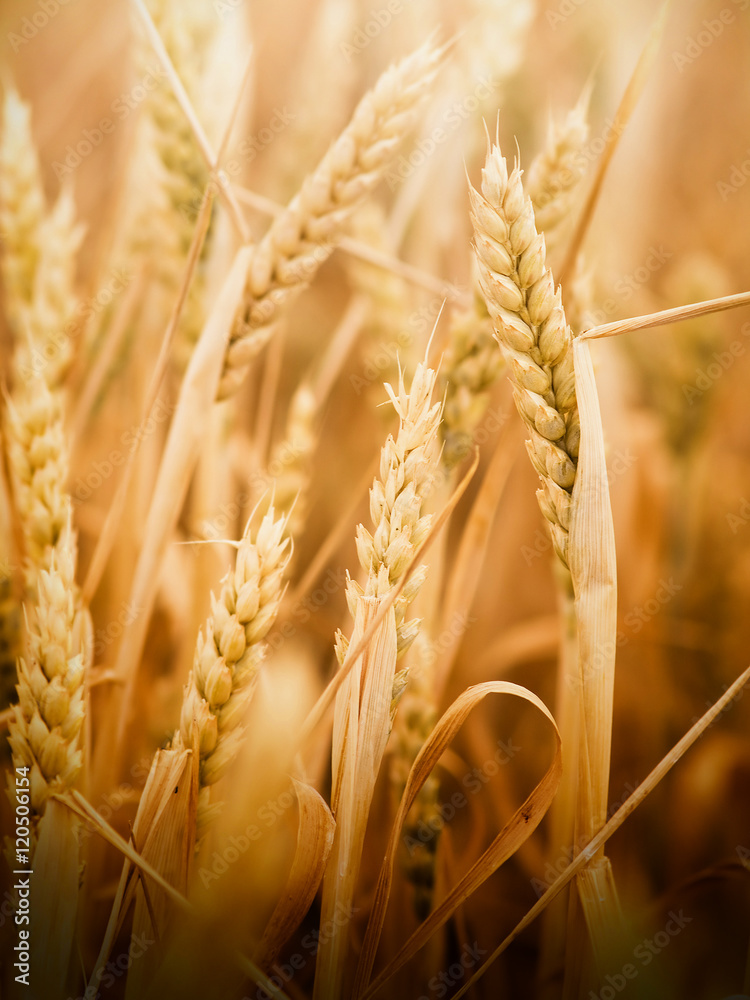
<point>532,332</point>
<point>229,654</point>
<point>303,236</point>
<point>367,700</point>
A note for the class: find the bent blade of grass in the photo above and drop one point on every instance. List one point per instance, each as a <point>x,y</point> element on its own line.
<point>520,826</point>
<point>314,842</point>
<point>593,848</point>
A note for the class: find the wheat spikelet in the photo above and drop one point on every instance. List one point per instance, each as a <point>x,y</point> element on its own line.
<point>39,466</point>
<point>187,31</point>
<point>169,171</point>
<point>471,366</point>
<point>530,325</point>
<point>229,654</point>
<point>555,175</point>
<point>22,204</point>
<point>45,734</point>
<point>407,470</point>
<point>302,237</point>
<point>47,346</point>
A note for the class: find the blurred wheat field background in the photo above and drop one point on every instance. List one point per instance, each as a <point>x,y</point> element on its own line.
<point>305,695</point>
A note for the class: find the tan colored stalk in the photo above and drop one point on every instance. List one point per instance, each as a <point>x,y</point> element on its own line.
<point>531,328</point>
<point>303,236</point>
<point>228,656</point>
<point>365,701</point>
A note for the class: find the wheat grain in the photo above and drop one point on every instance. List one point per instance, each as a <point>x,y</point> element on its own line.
<point>471,366</point>
<point>39,466</point>
<point>22,203</point>
<point>302,237</point>
<point>530,326</point>
<point>228,656</point>
<point>45,734</point>
<point>407,472</point>
<point>555,176</point>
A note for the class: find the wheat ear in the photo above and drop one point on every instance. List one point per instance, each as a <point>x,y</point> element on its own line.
<point>555,175</point>
<point>45,734</point>
<point>21,203</point>
<point>530,326</point>
<point>39,466</point>
<point>229,654</point>
<point>303,236</point>
<point>407,474</point>
<point>366,702</point>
